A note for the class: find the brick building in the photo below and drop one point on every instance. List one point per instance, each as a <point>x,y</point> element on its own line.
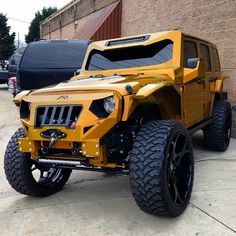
<point>214,20</point>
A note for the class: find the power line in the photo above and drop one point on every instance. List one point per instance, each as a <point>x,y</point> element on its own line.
<point>22,21</point>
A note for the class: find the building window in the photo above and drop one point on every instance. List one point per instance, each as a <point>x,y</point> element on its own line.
<point>206,56</point>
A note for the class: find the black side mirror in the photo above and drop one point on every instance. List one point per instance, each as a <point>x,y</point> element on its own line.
<point>192,63</point>
<point>78,72</point>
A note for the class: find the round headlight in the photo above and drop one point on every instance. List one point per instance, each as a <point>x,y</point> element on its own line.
<point>109,104</point>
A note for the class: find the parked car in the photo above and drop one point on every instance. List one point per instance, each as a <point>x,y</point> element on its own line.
<point>3,76</point>
<point>48,62</point>
<point>13,64</point>
<point>131,111</point>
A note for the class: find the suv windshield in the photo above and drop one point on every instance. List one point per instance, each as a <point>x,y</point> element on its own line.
<point>138,56</point>
<point>54,55</point>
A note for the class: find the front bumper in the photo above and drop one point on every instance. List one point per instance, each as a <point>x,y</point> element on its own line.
<point>84,138</point>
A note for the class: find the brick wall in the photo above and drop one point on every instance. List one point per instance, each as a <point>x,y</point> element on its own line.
<point>214,20</point>
<point>62,24</point>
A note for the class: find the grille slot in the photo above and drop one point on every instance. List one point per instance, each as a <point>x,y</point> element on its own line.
<point>57,115</point>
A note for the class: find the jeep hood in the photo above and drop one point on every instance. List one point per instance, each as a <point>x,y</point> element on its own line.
<point>108,83</point>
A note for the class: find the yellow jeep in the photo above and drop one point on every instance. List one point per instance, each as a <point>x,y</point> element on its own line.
<point>131,111</point>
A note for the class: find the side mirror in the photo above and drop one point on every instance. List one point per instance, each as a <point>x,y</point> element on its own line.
<point>78,72</point>
<point>199,65</point>
<point>192,63</point>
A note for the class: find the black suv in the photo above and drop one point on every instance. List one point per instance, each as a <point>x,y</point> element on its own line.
<point>48,62</point>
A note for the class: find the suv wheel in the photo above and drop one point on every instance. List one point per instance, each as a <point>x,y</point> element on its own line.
<point>26,176</point>
<point>161,168</point>
<point>217,134</point>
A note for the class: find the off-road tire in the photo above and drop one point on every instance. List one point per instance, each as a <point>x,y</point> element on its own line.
<point>148,168</point>
<point>17,167</point>
<point>217,134</point>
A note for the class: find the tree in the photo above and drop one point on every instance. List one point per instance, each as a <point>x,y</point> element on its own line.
<point>34,28</point>
<point>7,46</point>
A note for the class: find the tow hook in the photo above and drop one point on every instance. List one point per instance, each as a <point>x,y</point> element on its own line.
<point>53,135</point>
<point>54,138</point>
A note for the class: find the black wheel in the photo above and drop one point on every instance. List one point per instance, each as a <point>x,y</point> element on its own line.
<point>161,168</point>
<point>217,134</point>
<point>26,176</point>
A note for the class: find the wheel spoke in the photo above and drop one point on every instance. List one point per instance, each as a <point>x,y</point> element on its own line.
<point>178,157</point>
<point>33,168</point>
<point>177,196</point>
<point>180,141</point>
<point>172,152</point>
<point>42,178</point>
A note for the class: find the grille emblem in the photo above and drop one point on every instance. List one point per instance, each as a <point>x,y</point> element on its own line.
<point>63,97</point>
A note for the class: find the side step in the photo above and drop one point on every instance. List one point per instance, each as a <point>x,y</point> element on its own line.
<point>201,125</point>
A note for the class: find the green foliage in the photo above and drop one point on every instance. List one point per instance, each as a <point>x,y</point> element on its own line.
<point>34,28</point>
<point>7,46</point>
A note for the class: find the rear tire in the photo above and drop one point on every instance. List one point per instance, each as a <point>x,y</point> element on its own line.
<point>217,134</point>
<point>19,171</point>
<point>161,168</point>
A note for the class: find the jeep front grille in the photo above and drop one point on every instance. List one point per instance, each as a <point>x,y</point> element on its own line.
<point>61,115</point>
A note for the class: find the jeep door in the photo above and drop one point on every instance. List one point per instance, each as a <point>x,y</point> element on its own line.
<point>193,91</point>
<point>209,79</point>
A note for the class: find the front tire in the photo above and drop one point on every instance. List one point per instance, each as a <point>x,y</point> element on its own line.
<point>20,171</point>
<point>161,168</point>
<point>217,134</point>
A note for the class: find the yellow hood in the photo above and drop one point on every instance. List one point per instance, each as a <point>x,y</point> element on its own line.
<point>108,83</point>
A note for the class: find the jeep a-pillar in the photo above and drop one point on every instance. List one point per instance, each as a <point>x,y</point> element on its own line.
<point>130,111</point>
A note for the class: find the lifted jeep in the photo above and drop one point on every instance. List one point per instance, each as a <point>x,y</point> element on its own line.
<point>130,111</point>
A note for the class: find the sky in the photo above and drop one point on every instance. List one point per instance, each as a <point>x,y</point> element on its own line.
<point>21,12</point>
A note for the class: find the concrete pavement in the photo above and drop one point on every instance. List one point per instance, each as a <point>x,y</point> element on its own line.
<point>99,204</point>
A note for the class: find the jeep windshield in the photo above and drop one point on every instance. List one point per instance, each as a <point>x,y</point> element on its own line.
<point>131,57</point>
